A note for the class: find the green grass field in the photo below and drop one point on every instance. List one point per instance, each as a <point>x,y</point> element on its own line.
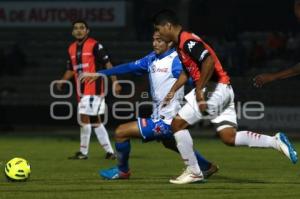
<point>244,173</point>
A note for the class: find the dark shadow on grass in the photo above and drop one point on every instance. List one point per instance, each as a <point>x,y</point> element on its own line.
<point>237,180</point>
<point>247,181</point>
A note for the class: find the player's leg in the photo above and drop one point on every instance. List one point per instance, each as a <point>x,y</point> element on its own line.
<point>159,130</point>
<point>103,137</point>
<point>226,124</point>
<point>185,146</point>
<point>207,167</point>
<point>251,139</point>
<point>123,134</point>
<point>226,127</point>
<point>85,134</point>
<point>231,137</point>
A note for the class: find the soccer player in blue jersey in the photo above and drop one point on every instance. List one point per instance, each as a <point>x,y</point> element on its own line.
<point>163,67</point>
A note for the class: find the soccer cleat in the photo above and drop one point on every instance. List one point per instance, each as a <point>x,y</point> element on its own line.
<point>78,156</point>
<point>187,177</point>
<point>286,147</point>
<point>212,170</point>
<point>110,156</point>
<point>114,174</point>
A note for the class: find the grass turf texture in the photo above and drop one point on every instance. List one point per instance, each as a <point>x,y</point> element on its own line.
<point>244,173</point>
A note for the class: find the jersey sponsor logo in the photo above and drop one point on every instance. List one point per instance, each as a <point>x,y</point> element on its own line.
<point>162,70</point>
<point>154,69</point>
<point>79,66</point>
<point>191,44</point>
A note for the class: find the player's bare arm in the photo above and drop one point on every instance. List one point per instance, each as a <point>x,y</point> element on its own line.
<point>113,78</point>
<point>67,76</point>
<point>89,77</point>
<point>182,79</point>
<point>265,78</point>
<point>207,69</point>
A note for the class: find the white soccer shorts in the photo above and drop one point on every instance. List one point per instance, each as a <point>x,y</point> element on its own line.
<point>220,106</point>
<point>92,105</point>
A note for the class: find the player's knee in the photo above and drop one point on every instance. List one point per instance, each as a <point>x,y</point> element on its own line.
<point>228,136</point>
<point>178,124</point>
<point>119,136</point>
<point>175,127</point>
<point>228,141</point>
<point>84,120</point>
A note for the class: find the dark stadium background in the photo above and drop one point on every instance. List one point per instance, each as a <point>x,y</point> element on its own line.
<point>250,37</point>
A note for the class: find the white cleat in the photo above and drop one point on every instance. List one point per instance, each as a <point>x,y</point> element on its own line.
<point>286,147</point>
<point>188,177</point>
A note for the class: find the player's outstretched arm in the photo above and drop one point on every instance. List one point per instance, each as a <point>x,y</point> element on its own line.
<point>131,67</point>
<point>114,79</point>
<point>265,78</point>
<point>137,67</point>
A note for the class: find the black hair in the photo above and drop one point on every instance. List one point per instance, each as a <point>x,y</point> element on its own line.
<point>80,21</point>
<point>165,16</point>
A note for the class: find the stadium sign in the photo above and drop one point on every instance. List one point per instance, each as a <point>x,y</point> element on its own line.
<point>61,14</point>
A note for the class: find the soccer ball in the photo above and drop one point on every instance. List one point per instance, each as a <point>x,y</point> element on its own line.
<point>17,169</point>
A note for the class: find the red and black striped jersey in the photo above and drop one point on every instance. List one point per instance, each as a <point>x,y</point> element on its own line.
<point>90,56</point>
<point>192,51</point>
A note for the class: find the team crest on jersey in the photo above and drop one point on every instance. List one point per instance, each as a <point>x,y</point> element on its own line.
<point>159,129</point>
<point>153,69</point>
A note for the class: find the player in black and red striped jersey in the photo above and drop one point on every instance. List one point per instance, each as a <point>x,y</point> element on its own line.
<point>212,98</point>
<point>87,55</point>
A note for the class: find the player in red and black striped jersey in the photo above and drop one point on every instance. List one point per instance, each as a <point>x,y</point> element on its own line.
<point>87,55</point>
<point>212,98</point>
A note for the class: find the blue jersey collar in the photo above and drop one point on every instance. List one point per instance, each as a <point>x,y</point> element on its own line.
<point>161,56</point>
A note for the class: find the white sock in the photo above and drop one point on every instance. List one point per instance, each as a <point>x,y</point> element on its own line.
<point>85,135</point>
<point>103,138</point>
<point>185,147</point>
<point>251,139</point>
